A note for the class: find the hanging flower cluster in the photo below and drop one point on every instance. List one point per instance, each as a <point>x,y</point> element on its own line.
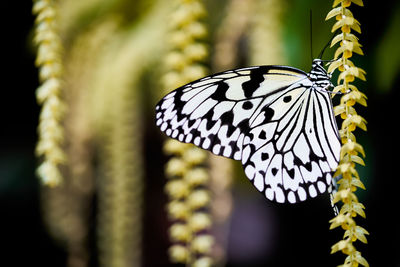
<point>187,190</point>
<point>351,150</point>
<point>48,59</point>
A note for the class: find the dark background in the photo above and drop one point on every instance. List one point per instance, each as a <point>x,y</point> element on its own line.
<point>300,233</point>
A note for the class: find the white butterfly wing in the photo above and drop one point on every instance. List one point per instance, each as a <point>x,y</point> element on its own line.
<point>267,117</point>
<point>214,112</point>
<point>290,155</point>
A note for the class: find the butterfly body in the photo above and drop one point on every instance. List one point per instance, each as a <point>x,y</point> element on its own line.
<point>277,120</point>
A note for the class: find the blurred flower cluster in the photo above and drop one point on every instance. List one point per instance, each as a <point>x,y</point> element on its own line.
<point>49,94</point>
<point>187,187</point>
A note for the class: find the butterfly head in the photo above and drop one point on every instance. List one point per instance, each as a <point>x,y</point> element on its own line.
<point>319,76</point>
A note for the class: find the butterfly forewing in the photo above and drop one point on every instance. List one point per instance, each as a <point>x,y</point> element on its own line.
<point>214,112</point>
<point>275,119</point>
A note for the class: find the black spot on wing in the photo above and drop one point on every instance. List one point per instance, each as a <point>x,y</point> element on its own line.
<point>268,114</point>
<point>287,98</point>
<point>256,78</point>
<point>291,173</point>
<point>251,136</point>
<point>190,123</point>
<point>264,156</point>
<point>247,105</point>
<point>314,157</point>
<point>227,118</point>
<point>235,148</point>
<point>308,166</point>
<point>297,161</point>
<point>195,133</point>
<point>208,116</point>
<point>214,140</point>
<point>179,104</point>
<point>220,92</point>
<point>262,135</point>
<point>243,125</point>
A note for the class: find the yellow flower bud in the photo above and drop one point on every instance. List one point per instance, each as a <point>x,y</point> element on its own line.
<point>202,243</point>
<point>179,39</point>
<point>196,30</point>
<point>177,189</point>
<point>346,3</point>
<point>198,198</point>
<point>351,127</point>
<point>178,253</point>
<point>346,29</point>
<point>49,173</point>
<point>175,60</point>
<point>182,16</point>
<point>196,9</point>
<point>176,167</point>
<point>199,221</point>
<point>180,232</point>
<point>349,78</point>
<point>172,146</point>
<point>345,226</point>
<point>196,52</point>
<point>347,54</point>
<point>194,155</point>
<point>196,176</point>
<point>172,79</point>
<point>203,262</point>
<point>193,72</point>
<point>178,210</point>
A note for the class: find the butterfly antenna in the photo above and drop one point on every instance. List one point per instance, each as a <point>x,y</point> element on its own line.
<point>311,48</point>
<point>326,46</point>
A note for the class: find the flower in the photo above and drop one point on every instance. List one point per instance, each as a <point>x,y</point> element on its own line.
<point>49,93</point>
<point>350,151</point>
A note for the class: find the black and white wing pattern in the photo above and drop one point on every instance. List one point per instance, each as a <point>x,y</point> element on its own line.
<point>277,120</point>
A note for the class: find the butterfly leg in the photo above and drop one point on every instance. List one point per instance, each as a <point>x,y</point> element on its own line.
<point>333,188</point>
<point>325,89</point>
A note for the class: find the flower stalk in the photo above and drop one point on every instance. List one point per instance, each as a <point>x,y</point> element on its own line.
<point>189,197</point>
<point>351,150</point>
<point>49,93</point>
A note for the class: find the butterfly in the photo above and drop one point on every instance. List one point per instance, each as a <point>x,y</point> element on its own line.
<point>277,120</point>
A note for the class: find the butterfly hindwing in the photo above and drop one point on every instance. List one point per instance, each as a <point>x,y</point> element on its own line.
<point>291,157</point>
<point>275,119</point>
